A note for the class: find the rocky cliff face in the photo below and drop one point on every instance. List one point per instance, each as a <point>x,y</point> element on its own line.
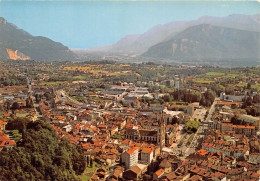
<point>16,55</point>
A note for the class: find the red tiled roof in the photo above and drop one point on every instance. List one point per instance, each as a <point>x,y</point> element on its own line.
<point>147,150</point>
<point>2,122</point>
<point>228,103</point>
<point>131,151</point>
<point>159,172</point>
<point>5,141</point>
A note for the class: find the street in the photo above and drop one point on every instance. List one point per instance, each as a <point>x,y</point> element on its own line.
<point>199,114</point>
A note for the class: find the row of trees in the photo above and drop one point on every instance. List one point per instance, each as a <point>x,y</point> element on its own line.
<point>205,99</point>
<point>47,95</point>
<point>8,105</point>
<point>12,81</point>
<point>251,105</point>
<point>89,162</point>
<point>188,96</point>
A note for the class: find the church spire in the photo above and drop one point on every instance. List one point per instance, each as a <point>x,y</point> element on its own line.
<point>162,132</point>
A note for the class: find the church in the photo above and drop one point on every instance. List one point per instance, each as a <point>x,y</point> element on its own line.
<point>157,137</point>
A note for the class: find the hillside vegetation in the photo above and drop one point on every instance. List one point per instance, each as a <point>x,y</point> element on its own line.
<point>41,155</point>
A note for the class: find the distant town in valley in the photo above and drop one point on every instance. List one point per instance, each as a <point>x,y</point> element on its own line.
<point>129,90</point>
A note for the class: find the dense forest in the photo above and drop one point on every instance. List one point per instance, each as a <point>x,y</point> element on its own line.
<point>40,155</point>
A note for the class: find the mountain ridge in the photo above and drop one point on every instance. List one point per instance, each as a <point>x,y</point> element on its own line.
<point>164,32</point>
<point>32,47</point>
<point>208,43</point>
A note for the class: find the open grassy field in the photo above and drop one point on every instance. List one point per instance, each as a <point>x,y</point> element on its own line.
<point>21,114</point>
<point>232,75</point>
<point>256,70</point>
<point>215,73</point>
<point>241,84</point>
<point>117,74</point>
<point>203,80</point>
<point>179,103</point>
<point>190,138</point>
<point>85,177</point>
<point>89,172</point>
<point>52,83</point>
<point>98,99</point>
<point>257,86</point>
<point>160,75</point>
<point>79,77</point>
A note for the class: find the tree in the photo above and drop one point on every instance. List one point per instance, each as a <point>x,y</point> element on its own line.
<point>7,105</point>
<point>175,120</point>
<point>29,103</point>
<point>167,98</point>
<point>256,98</point>
<point>91,162</point>
<point>147,177</point>
<point>37,98</point>
<point>203,100</point>
<point>195,96</point>
<point>47,95</point>
<point>87,160</point>
<point>247,102</point>
<point>191,126</point>
<point>248,85</point>
<point>17,124</point>
<point>229,89</point>
<point>15,105</point>
<point>253,110</point>
<point>2,108</point>
<point>13,82</point>
<point>209,97</point>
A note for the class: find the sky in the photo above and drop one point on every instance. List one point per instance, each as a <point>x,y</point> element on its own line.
<point>85,24</point>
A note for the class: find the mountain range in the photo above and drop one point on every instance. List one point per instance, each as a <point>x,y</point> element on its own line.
<point>209,43</point>
<point>140,43</point>
<point>233,37</point>
<point>18,44</point>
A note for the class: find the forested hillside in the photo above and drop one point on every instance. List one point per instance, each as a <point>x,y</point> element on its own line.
<point>40,155</point>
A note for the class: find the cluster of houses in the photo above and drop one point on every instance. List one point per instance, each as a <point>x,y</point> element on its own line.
<point>128,138</point>
<point>11,94</point>
<point>14,100</point>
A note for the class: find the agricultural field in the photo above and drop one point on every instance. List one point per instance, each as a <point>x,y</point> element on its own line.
<point>256,86</point>
<point>160,75</point>
<point>78,68</point>
<point>117,74</point>
<point>52,83</point>
<point>232,75</point>
<point>215,73</point>
<point>203,80</point>
<point>80,77</point>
